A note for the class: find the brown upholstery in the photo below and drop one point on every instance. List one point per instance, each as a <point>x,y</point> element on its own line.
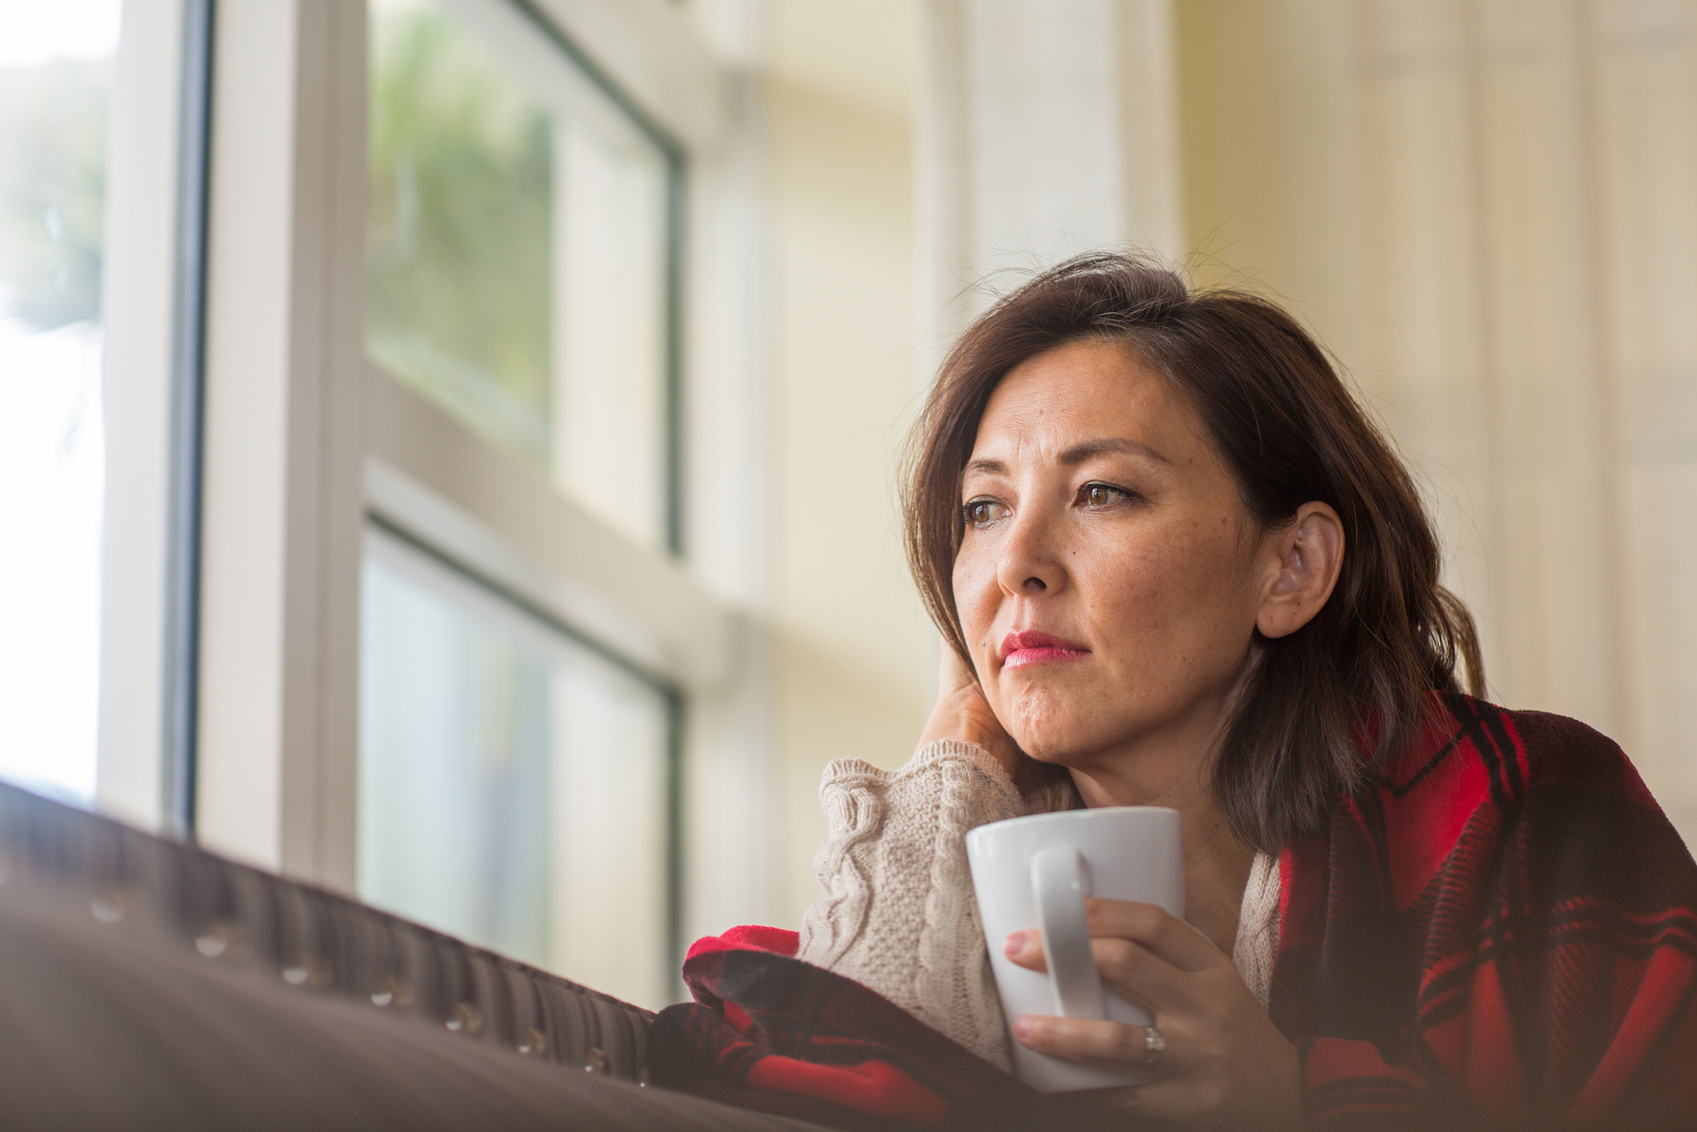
<point>148,984</point>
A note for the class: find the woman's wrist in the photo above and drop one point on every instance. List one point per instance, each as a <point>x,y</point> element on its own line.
<point>965,724</point>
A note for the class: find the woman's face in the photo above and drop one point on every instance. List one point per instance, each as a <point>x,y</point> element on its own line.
<point>1109,577</point>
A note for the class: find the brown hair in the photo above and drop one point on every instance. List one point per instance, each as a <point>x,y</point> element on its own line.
<point>1291,433</point>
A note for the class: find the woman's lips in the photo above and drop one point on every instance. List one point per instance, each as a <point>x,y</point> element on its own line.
<point>1032,647</point>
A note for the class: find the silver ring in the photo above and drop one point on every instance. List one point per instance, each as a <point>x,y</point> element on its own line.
<point>1154,1045</point>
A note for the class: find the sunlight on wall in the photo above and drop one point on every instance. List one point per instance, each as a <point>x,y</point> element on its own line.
<point>853,658</point>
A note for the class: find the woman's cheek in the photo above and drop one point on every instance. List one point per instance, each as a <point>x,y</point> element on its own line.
<point>976,606</point>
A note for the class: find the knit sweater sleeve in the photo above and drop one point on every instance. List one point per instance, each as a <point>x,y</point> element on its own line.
<point>899,914</point>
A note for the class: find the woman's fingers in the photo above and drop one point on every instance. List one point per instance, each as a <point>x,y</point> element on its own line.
<point>1143,951</point>
<point>1078,1040</point>
<point>952,672</point>
<point>1224,1062</point>
<point>1152,927</point>
<point>961,712</point>
<point>1132,969</point>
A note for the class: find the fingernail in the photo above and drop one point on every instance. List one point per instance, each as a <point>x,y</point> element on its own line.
<point>1022,1027</point>
<point>1016,944</point>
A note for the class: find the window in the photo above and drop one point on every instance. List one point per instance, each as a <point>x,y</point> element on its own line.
<point>513,783</point>
<point>408,615</point>
<point>518,252</point>
<point>56,64</point>
<point>518,747</point>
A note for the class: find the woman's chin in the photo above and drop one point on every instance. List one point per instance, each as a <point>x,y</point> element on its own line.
<point>1050,745</point>
<point>1067,741</point>
<point>1052,730</point>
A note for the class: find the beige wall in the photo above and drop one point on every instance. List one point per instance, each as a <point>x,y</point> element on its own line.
<point>852,653</point>
<point>1488,209</point>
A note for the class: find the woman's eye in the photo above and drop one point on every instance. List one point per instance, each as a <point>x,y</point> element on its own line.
<point>979,512</point>
<point>1102,495</point>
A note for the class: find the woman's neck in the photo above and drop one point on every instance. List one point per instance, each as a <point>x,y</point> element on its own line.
<point>1216,863</point>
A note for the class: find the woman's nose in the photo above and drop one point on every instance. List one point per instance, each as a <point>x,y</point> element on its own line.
<point>1029,563</point>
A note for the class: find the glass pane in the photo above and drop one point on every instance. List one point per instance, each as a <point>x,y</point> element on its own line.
<point>55,78</point>
<point>517,250</point>
<point>512,784</point>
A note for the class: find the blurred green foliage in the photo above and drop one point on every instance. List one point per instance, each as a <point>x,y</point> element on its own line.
<point>52,191</point>
<point>458,247</point>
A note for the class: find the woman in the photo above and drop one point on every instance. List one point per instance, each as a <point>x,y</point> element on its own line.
<point>1175,564</point>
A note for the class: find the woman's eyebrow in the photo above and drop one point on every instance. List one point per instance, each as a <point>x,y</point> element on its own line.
<point>1079,453</point>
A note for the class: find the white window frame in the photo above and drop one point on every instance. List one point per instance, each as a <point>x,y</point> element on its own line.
<point>140,362</point>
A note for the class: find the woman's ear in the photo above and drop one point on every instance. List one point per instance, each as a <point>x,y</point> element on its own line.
<point>1309,554</point>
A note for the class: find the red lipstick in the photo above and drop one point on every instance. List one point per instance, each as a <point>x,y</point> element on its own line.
<point>1032,647</point>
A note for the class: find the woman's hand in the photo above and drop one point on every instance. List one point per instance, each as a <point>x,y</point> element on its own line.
<point>1226,1065</point>
<point>962,712</point>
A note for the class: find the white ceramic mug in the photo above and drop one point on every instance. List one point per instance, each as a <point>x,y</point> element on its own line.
<point>1035,872</point>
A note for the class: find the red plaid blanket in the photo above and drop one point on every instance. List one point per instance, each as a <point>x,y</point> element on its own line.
<point>768,1031</point>
<point>1499,933</point>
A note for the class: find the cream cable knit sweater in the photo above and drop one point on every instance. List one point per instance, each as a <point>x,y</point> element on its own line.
<point>899,914</point>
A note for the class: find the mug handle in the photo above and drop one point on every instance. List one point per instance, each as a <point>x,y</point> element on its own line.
<point>1058,888</point>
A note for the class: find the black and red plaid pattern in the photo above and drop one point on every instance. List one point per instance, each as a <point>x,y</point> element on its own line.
<point>1499,933</point>
<point>765,1022</point>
